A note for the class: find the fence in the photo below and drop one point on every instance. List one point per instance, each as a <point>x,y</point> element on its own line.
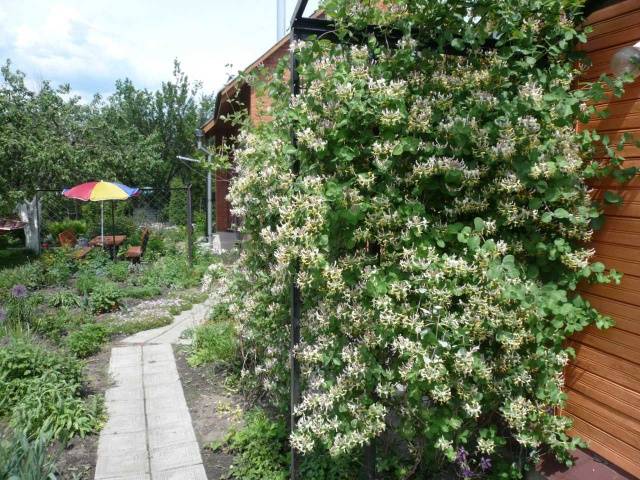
<point>155,209</point>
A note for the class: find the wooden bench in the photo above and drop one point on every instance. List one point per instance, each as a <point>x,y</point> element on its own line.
<point>134,254</point>
<point>67,238</point>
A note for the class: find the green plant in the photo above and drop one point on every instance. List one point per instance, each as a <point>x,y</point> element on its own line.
<point>20,307</point>
<point>56,325</point>
<point>176,210</point>
<point>59,266</point>
<point>144,292</point>
<point>86,281</point>
<point>214,342</point>
<point>64,299</point>
<point>30,274</point>
<point>105,297</point>
<point>79,227</point>
<point>434,214</point>
<point>155,246</point>
<point>172,271</point>
<point>118,271</point>
<point>24,459</point>
<point>40,392</point>
<point>259,448</point>
<point>135,326</point>
<point>21,361</point>
<point>88,339</point>
<point>53,407</point>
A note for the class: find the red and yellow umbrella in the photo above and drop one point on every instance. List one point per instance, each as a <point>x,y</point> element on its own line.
<point>99,192</point>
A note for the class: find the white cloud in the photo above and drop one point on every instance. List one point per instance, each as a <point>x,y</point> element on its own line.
<point>91,44</point>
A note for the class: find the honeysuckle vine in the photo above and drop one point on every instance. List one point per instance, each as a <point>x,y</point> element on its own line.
<point>440,222</point>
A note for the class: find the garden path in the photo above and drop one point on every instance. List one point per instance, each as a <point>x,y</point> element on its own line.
<point>149,434</point>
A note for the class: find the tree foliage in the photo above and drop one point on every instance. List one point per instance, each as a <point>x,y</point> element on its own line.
<point>49,138</point>
<point>436,227</point>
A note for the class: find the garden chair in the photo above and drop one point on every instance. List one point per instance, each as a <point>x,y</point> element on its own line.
<point>135,253</point>
<point>67,238</point>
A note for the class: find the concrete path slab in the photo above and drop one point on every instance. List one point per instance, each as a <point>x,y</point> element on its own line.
<point>149,435</point>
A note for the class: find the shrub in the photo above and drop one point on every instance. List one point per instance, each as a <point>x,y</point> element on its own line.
<point>79,227</point>
<point>176,211</point>
<point>88,339</point>
<point>172,271</point>
<point>214,342</point>
<point>24,459</point>
<point>105,297</point>
<point>434,215</point>
<point>155,247</point>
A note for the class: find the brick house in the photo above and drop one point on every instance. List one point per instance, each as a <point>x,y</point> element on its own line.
<point>235,95</point>
<point>603,381</point>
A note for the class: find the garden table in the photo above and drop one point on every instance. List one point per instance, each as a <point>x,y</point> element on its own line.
<point>111,242</point>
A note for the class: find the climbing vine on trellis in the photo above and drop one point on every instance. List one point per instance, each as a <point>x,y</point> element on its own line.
<point>437,230</point>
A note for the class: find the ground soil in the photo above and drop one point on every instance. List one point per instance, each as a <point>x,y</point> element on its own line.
<point>77,461</point>
<point>215,411</point>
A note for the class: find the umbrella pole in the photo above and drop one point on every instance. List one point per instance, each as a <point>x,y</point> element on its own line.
<point>113,230</point>
<point>102,223</point>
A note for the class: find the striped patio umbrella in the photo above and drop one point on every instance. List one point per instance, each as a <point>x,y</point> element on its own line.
<point>99,192</point>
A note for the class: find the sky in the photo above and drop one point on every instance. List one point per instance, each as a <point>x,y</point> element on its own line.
<point>92,43</point>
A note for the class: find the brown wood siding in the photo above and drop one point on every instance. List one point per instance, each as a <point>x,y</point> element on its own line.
<point>603,381</point>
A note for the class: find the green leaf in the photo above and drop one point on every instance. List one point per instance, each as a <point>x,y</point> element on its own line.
<point>612,198</point>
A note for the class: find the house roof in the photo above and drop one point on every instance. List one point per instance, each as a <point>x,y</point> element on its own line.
<point>231,88</point>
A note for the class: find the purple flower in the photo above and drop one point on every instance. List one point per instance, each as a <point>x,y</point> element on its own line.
<point>485,464</point>
<point>19,291</point>
<point>461,456</point>
<point>3,315</point>
<point>467,473</point>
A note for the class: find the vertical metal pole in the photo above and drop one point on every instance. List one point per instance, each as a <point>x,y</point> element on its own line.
<point>296,302</point>
<point>38,223</point>
<point>369,461</point>
<point>113,230</point>
<point>189,227</point>
<point>209,206</point>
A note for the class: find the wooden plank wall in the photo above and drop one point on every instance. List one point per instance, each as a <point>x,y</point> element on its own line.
<point>603,383</point>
